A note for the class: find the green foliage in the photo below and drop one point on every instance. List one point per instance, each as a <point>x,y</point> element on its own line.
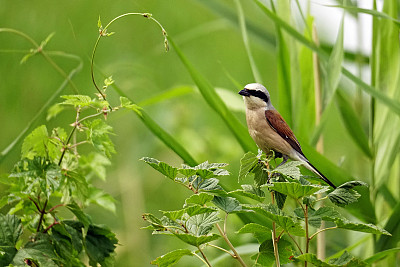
<point>52,175</point>
<point>194,223</point>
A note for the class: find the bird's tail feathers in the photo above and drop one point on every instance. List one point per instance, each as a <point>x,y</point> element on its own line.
<point>309,166</point>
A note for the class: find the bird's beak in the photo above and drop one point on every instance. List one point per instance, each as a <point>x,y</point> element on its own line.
<point>244,92</point>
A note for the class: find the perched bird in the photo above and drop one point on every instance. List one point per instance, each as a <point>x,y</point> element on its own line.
<point>269,130</point>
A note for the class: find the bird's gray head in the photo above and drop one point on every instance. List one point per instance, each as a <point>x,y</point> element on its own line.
<point>255,95</point>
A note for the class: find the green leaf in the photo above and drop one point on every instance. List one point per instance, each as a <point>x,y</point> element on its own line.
<point>352,123</point>
<point>171,257</point>
<point>162,167</point>
<point>153,220</point>
<point>360,227</point>
<point>77,100</point>
<point>94,164</point>
<point>35,143</point>
<point>210,185</point>
<point>98,134</point>
<point>273,213</point>
<point>260,232</point>
<point>196,240</point>
<point>80,215</point>
<point>202,224</point>
<point>227,204</point>
<point>316,216</point>
<point>100,244</point>
<point>393,104</point>
<point>393,226</point>
<point>199,199</point>
<point>250,191</point>
<point>296,190</point>
<point>289,169</point>
<point>53,111</point>
<point>247,163</point>
<point>11,230</point>
<point>191,211</point>
<point>334,64</point>
<point>40,251</point>
<point>215,102</point>
<point>102,199</point>
<point>344,195</point>
<point>344,260</point>
<point>371,12</point>
<point>266,256</point>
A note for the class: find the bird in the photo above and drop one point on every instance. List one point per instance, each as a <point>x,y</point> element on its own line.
<point>270,131</point>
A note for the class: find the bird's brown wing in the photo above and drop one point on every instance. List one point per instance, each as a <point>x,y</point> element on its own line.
<point>280,126</point>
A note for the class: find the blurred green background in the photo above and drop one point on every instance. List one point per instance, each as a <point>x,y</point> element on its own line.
<point>209,35</point>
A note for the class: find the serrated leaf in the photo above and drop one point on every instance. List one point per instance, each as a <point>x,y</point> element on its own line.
<point>199,199</point>
<point>210,185</point>
<point>360,227</point>
<point>352,184</point>
<point>289,169</point>
<point>202,224</point>
<point>250,191</point>
<point>312,258</point>
<point>35,143</point>
<point>296,190</point>
<point>153,220</point>
<point>100,244</point>
<point>260,232</point>
<point>80,215</point>
<point>11,230</point>
<point>266,256</point>
<point>247,163</point>
<point>343,196</point>
<point>98,134</point>
<point>162,167</point>
<point>196,240</point>
<point>77,100</point>
<point>40,251</point>
<point>171,257</point>
<point>315,217</point>
<point>273,213</point>
<point>227,204</point>
<point>190,211</point>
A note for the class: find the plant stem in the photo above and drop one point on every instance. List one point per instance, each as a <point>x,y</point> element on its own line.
<point>322,230</point>
<point>225,237</point>
<point>274,239</point>
<point>307,238</point>
<point>224,250</point>
<point>204,256</point>
<point>42,213</point>
<point>200,258</point>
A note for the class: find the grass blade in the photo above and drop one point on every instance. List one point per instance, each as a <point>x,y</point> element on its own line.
<point>242,24</point>
<point>211,97</point>
<point>352,123</point>
<point>393,227</point>
<point>391,103</point>
<point>284,73</point>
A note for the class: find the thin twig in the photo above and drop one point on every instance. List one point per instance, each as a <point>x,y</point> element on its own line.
<point>295,242</point>
<point>200,258</point>
<point>51,225</point>
<point>42,213</point>
<point>224,250</point>
<point>204,256</point>
<point>56,206</point>
<point>307,238</point>
<point>36,204</point>
<point>274,239</point>
<point>225,237</point>
<point>322,230</point>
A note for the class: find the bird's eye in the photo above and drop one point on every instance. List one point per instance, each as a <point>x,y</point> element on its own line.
<point>259,94</point>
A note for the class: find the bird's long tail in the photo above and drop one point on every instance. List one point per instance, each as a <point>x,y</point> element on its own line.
<point>309,166</point>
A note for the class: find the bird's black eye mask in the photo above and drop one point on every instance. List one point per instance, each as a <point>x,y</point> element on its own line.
<point>256,93</point>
